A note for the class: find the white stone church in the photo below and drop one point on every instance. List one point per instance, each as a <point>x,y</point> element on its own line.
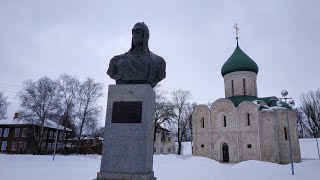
<point>243,126</point>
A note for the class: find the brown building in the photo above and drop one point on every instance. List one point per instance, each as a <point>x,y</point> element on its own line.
<point>17,136</point>
<point>88,145</point>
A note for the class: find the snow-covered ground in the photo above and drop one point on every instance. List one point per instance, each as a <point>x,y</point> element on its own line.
<point>166,167</point>
<point>308,148</point>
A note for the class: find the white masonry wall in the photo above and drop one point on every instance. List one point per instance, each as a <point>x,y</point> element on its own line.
<point>238,88</point>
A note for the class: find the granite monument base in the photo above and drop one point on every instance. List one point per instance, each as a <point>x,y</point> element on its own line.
<point>127,152</point>
<point>125,176</point>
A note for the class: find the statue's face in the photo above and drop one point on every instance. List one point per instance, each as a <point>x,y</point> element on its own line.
<point>137,36</point>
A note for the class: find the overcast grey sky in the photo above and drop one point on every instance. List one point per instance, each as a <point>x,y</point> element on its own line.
<point>47,38</point>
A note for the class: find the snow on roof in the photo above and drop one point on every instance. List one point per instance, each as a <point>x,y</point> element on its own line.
<point>277,107</point>
<point>86,138</point>
<point>19,121</point>
<point>162,129</point>
<point>272,108</point>
<point>268,109</point>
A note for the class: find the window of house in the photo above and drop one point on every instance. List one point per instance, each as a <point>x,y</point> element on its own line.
<point>24,132</point>
<point>202,122</point>
<point>43,145</point>
<point>22,145</point>
<point>17,132</point>
<point>244,86</point>
<point>4,145</point>
<point>224,121</point>
<point>232,88</point>
<point>163,137</point>
<point>169,139</point>
<point>60,136</point>
<point>63,146</point>
<point>49,147</point>
<point>45,134</point>
<point>14,146</point>
<point>248,119</point>
<point>59,146</point>
<point>285,133</point>
<point>64,136</point>
<point>202,145</point>
<point>1,129</point>
<point>53,146</point>
<point>6,132</point>
<point>55,135</point>
<point>249,146</point>
<point>50,134</point>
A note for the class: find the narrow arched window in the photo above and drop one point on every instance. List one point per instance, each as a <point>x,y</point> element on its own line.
<point>224,121</point>
<point>248,119</point>
<point>202,122</point>
<point>232,88</point>
<point>285,133</point>
<point>244,86</point>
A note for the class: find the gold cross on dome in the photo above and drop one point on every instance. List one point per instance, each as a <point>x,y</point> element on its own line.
<point>237,30</point>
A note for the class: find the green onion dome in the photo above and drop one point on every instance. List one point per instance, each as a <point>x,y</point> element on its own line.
<point>239,61</point>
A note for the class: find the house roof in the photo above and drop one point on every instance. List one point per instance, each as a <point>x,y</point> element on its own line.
<point>20,121</point>
<point>163,129</point>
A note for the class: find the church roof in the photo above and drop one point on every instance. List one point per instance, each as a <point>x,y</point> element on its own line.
<point>270,101</point>
<point>239,61</point>
<point>236,100</point>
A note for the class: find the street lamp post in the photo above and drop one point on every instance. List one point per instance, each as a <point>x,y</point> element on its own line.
<point>291,103</point>
<point>55,142</point>
<point>56,139</point>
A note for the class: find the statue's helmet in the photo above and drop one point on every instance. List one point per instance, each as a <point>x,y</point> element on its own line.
<point>142,26</point>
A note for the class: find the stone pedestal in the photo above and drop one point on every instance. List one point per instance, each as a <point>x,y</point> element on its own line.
<point>129,131</point>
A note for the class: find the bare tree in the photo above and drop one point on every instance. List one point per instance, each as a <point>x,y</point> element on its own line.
<point>87,109</point>
<point>3,106</point>
<point>310,106</point>
<point>39,102</point>
<point>300,122</point>
<point>98,132</point>
<point>189,108</point>
<point>68,88</point>
<point>179,101</point>
<point>164,109</point>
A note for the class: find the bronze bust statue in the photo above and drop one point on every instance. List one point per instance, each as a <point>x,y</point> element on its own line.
<point>139,65</point>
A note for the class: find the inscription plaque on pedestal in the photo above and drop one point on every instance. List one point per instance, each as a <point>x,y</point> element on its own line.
<point>127,112</point>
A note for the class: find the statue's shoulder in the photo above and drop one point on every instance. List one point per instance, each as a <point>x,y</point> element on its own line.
<point>157,58</point>
<point>118,57</point>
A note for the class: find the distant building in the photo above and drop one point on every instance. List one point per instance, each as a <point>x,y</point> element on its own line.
<point>164,142</point>
<point>17,136</point>
<point>243,126</point>
<point>88,145</point>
